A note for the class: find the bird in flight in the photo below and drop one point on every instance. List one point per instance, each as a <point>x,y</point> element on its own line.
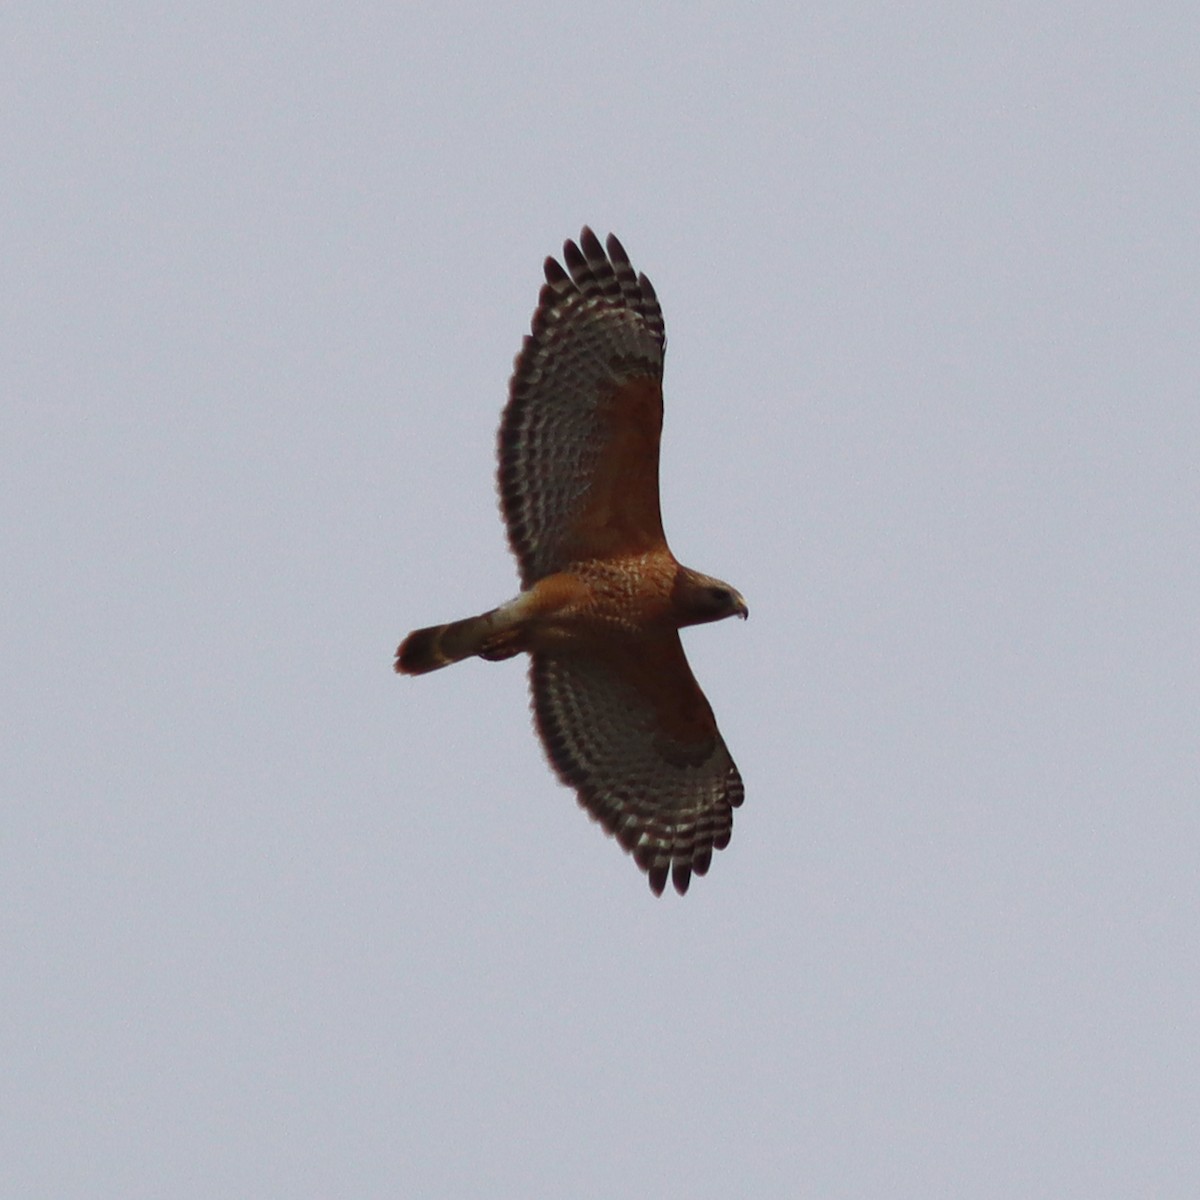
<point>602,599</point>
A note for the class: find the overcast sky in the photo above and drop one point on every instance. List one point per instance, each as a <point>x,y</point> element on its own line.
<point>277,923</point>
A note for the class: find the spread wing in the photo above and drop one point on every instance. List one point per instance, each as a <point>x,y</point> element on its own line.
<point>634,735</point>
<point>580,434</point>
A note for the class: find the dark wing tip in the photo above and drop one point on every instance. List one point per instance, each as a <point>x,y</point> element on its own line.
<point>555,275</point>
<point>590,243</point>
<point>681,875</point>
<point>615,250</point>
<point>657,875</point>
<point>574,257</point>
<point>735,791</point>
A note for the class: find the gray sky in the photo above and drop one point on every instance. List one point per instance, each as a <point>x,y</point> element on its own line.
<point>277,923</point>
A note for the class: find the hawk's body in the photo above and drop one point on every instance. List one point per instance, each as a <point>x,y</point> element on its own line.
<point>620,714</point>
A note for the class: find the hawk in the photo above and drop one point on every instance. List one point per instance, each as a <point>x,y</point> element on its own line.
<point>602,599</point>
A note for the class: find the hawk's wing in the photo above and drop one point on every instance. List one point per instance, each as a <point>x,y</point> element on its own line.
<point>634,735</point>
<point>579,437</point>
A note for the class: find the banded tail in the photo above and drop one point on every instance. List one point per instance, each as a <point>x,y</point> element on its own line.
<point>488,635</point>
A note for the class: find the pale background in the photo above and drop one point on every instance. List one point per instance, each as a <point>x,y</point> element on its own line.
<point>278,924</point>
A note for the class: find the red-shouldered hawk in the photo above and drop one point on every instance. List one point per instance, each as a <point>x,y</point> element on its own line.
<point>619,712</point>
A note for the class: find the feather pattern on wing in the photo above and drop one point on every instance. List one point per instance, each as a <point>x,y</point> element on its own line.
<point>584,413</point>
<point>642,749</point>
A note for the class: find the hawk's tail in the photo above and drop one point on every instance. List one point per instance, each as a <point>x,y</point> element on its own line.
<point>438,646</point>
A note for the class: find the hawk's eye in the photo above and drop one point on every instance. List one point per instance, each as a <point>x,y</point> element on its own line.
<point>720,597</point>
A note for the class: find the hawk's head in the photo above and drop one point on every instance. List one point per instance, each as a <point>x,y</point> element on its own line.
<point>697,599</point>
